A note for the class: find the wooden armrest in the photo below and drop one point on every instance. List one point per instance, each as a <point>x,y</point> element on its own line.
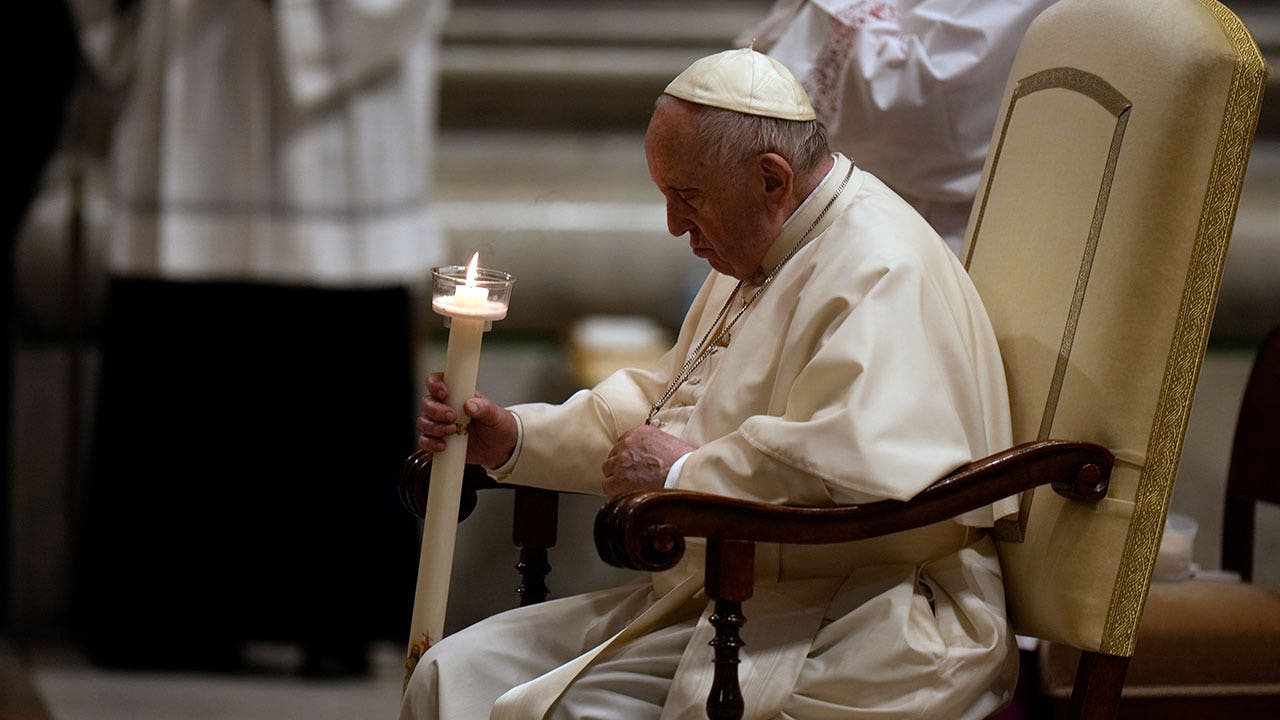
<point>645,530</point>
<point>415,476</point>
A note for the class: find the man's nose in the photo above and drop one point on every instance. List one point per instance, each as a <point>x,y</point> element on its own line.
<point>678,223</point>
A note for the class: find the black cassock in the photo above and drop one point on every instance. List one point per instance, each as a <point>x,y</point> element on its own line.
<point>243,486</point>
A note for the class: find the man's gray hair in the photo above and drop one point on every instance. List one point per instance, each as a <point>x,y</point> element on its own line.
<point>733,138</point>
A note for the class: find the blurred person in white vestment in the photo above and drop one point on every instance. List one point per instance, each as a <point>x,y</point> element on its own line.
<point>908,89</point>
<point>837,353</point>
<point>271,173</point>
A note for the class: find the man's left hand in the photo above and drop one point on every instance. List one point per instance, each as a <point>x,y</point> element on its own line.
<point>641,459</point>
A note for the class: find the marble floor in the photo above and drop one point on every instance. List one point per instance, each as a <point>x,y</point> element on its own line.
<point>72,689</point>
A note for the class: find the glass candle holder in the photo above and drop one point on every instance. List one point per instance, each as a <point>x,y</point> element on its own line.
<point>480,294</point>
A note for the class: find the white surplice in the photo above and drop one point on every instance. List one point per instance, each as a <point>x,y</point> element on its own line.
<point>866,371</point>
<point>907,88</point>
<point>287,142</point>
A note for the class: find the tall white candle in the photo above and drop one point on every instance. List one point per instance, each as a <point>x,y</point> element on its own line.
<point>469,309</point>
<point>435,563</point>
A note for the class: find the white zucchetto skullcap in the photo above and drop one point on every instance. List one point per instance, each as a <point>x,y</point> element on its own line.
<point>744,81</point>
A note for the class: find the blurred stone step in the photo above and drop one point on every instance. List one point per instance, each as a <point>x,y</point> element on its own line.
<point>573,216</point>
<point>601,22</point>
<point>575,65</point>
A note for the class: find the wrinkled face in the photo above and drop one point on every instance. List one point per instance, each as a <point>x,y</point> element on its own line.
<point>723,213</point>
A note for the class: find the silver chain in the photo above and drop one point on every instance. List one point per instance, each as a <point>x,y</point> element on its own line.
<point>707,345</point>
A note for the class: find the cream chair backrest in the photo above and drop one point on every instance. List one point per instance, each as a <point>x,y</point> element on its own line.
<point>1097,242</point>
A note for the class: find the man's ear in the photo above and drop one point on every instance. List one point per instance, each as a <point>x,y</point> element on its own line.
<point>778,179</point>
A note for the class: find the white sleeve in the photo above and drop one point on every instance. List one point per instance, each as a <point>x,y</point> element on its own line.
<point>673,475</point>
<point>327,47</point>
<point>107,39</point>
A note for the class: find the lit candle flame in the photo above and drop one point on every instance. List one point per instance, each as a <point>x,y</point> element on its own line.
<point>471,270</point>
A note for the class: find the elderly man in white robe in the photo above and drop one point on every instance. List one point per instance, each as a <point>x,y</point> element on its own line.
<point>837,353</point>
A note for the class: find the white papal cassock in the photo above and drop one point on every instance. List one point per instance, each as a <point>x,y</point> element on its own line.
<point>866,371</point>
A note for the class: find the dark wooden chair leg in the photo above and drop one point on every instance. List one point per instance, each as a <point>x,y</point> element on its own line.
<point>730,570</point>
<point>1252,471</point>
<point>1099,680</point>
<point>533,568</point>
<point>533,530</point>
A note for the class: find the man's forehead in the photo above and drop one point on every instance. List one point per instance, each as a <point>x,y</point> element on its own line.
<point>672,114</point>
<point>675,161</point>
<point>671,130</point>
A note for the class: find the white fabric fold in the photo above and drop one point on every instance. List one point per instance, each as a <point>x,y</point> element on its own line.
<point>534,698</point>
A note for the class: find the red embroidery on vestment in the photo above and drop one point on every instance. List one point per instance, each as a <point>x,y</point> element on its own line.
<point>823,82</point>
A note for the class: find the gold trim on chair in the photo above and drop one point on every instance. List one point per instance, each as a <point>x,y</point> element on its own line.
<point>1065,78</point>
<point>1118,105</point>
<point>1155,485</point>
<point>1115,103</point>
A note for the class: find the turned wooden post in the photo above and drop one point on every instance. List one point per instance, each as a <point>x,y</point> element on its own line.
<point>730,578</point>
<point>533,530</point>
